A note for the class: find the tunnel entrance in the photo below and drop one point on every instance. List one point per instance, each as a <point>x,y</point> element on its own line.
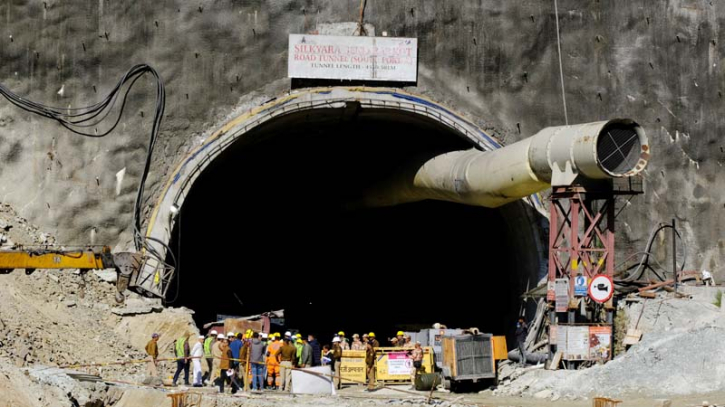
<point>271,224</point>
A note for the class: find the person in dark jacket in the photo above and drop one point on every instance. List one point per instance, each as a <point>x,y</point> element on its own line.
<point>521,331</point>
<point>256,358</point>
<point>316,351</point>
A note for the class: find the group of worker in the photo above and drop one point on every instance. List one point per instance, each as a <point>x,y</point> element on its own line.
<point>234,358</point>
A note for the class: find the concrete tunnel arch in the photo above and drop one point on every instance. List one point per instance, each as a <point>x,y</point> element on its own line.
<point>523,218</point>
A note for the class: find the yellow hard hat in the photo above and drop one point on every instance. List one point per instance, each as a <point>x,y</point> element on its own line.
<point>371,334</point>
<point>299,340</point>
<point>400,333</point>
<point>341,333</point>
<point>278,335</point>
<point>298,335</point>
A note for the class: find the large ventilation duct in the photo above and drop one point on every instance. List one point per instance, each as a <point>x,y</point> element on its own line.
<point>555,156</point>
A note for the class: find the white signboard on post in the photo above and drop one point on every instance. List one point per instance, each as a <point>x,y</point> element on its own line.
<point>399,364</point>
<point>353,58</point>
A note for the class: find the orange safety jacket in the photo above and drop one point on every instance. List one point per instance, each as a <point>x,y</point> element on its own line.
<point>273,349</point>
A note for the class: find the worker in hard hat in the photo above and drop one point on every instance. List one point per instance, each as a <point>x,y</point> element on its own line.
<point>225,363</point>
<point>216,354</point>
<point>409,342</point>
<point>337,359</point>
<point>287,356</point>
<point>208,342</point>
<point>182,351</point>
<point>372,340</point>
<point>370,360</point>
<point>401,338</point>
<point>344,343</point>
<point>197,353</point>
<point>274,380</point>
<point>244,369</point>
<point>299,345</point>
<point>152,349</point>
<point>357,344</point>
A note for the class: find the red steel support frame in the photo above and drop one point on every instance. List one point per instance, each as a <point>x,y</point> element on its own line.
<point>581,239</point>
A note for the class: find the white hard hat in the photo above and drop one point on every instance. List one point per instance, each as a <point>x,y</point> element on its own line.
<point>230,333</point>
<point>214,332</point>
<point>220,336</point>
<point>335,339</point>
<point>202,336</point>
<point>287,333</point>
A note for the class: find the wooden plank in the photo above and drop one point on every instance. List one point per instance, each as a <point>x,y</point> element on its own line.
<point>449,355</point>
<point>657,285</point>
<point>556,360</point>
<point>648,294</point>
<point>633,336</point>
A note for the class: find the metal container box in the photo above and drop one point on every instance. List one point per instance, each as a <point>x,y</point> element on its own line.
<point>468,357</point>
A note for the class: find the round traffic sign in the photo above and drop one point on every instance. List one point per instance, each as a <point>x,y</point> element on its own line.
<point>601,288</point>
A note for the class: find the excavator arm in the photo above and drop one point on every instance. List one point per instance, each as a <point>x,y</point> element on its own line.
<point>125,263</point>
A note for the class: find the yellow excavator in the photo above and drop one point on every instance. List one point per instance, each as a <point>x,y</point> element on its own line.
<point>87,258</point>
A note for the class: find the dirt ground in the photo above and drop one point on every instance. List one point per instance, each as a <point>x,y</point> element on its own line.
<point>354,397</point>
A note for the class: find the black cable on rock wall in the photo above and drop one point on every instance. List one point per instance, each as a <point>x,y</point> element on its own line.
<point>77,120</point>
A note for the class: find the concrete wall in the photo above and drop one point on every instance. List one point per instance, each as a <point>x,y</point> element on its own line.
<point>497,62</point>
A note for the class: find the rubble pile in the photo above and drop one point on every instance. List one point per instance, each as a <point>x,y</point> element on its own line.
<point>53,318</point>
<point>15,230</point>
<point>680,353</point>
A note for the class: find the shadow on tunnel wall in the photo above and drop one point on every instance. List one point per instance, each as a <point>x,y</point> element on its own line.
<point>266,227</point>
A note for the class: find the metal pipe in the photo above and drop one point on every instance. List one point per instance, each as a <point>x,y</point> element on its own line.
<point>555,156</point>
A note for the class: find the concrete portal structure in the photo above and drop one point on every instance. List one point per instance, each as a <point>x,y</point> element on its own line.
<point>497,63</point>
<point>319,105</point>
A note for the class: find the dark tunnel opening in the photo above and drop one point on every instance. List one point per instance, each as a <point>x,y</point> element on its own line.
<point>265,227</point>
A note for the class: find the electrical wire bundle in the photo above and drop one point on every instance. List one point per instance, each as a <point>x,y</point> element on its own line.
<point>641,269</point>
<point>79,120</point>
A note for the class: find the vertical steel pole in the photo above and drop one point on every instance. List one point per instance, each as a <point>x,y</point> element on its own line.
<point>674,254</point>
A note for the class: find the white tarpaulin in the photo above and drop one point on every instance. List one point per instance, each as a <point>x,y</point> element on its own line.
<point>353,58</point>
<point>306,383</point>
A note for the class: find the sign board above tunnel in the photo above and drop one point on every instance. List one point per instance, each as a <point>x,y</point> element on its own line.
<point>353,58</point>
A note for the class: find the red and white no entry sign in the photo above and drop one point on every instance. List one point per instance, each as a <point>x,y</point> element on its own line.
<point>601,288</point>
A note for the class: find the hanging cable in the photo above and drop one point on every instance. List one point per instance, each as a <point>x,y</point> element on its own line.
<point>561,69</point>
<point>644,261</point>
<point>77,120</point>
